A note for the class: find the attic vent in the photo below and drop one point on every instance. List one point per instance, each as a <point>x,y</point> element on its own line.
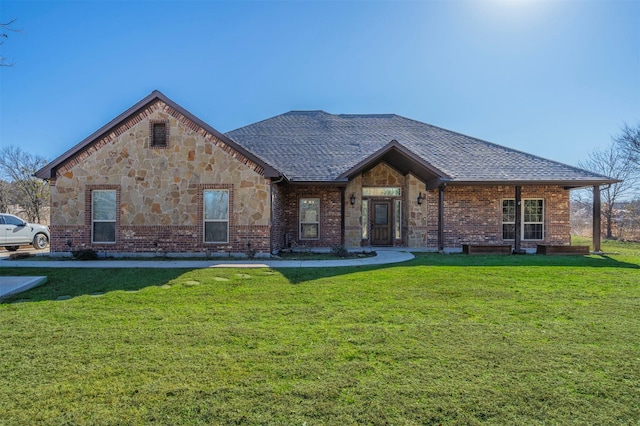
<point>159,131</point>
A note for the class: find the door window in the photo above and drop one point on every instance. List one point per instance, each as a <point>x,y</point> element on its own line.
<point>382,214</point>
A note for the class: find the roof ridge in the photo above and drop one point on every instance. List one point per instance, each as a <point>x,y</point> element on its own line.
<point>389,115</point>
<point>305,111</point>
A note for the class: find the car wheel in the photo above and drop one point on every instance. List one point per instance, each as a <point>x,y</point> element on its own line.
<point>12,248</point>
<point>40,241</point>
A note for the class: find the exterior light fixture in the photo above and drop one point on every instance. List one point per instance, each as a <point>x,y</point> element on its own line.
<point>420,198</point>
<point>353,199</point>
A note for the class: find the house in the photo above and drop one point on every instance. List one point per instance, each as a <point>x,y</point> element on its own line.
<point>158,179</point>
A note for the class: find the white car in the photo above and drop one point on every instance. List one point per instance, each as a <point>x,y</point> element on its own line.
<point>15,232</point>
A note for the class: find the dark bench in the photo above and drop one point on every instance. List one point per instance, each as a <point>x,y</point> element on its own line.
<point>486,249</point>
<point>549,249</point>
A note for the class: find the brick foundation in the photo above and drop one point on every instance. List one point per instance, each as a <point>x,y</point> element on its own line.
<point>160,239</point>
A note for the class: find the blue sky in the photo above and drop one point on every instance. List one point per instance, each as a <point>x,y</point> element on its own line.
<point>553,78</point>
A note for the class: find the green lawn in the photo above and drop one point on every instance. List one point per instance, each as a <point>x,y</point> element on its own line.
<point>443,339</point>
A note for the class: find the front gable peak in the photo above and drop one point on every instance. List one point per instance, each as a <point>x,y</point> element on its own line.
<point>142,110</point>
<point>401,159</point>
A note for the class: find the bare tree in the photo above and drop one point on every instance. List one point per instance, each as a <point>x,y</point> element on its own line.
<point>18,168</point>
<point>629,142</point>
<point>6,27</point>
<point>5,196</point>
<point>614,162</point>
<point>628,226</point>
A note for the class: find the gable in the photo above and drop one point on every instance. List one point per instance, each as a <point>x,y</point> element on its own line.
<point>401,159</point>
<point>159,106</point>
<point>382,175</point>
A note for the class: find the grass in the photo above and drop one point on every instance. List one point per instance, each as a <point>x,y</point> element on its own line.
<point>443,339</point>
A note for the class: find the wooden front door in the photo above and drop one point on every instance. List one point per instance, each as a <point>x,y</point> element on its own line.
<point>381,223</point>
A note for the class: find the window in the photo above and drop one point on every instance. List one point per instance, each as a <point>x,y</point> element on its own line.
<point>12,220</point>
<point>309,218</point>
<point>532,219</point>
<point>397,219</point>
<point>159,131</point>
<point>216,215</point>
<point>381,192</point>
<point>508,219</point>
<point>365,219</point>
<point>103,216</point>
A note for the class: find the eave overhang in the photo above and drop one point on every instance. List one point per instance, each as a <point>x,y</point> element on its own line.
<point>337,182</point>
<point>48,171</point>
<point>567,184</point>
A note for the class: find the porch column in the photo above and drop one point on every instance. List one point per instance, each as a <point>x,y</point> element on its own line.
<point>342,215</point>
<point>596,219</point>
<point>518,236</point>
<point>441,216</point>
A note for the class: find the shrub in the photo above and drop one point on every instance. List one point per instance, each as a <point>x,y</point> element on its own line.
<point>86,254</point>
<point>250,252</point>
<point>340,251</point>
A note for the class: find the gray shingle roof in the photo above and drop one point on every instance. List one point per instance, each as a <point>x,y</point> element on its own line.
<point>318,146</point>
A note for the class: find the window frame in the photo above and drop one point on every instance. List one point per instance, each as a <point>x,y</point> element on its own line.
<point>522,221</point>
<point>301,222</point>
<point>152,141</point>
<point>530,222</point>
<point>94,220</point>
<point>381,191</point>
<point>205,220</point>
<point>513,222</point>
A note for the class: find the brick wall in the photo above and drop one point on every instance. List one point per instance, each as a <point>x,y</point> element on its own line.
<point>473,214</point>
<point>160,239</point>
<point>330,215</point>
<point>278,221</point>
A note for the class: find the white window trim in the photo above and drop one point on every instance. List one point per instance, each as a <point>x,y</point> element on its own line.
<point>534,223</point>
<point>93,221</point>
<point>205,220</point>
<point>502,223</point>
<point>300,222</point>
<point>522,222</point>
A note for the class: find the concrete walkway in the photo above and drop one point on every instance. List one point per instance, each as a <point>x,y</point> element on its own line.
<point>383,257</point>
<point>14,285</point>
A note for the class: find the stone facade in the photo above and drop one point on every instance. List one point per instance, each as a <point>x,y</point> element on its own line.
<point>160,189</point>
<point>415,220</point>
<point>413,215</point>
